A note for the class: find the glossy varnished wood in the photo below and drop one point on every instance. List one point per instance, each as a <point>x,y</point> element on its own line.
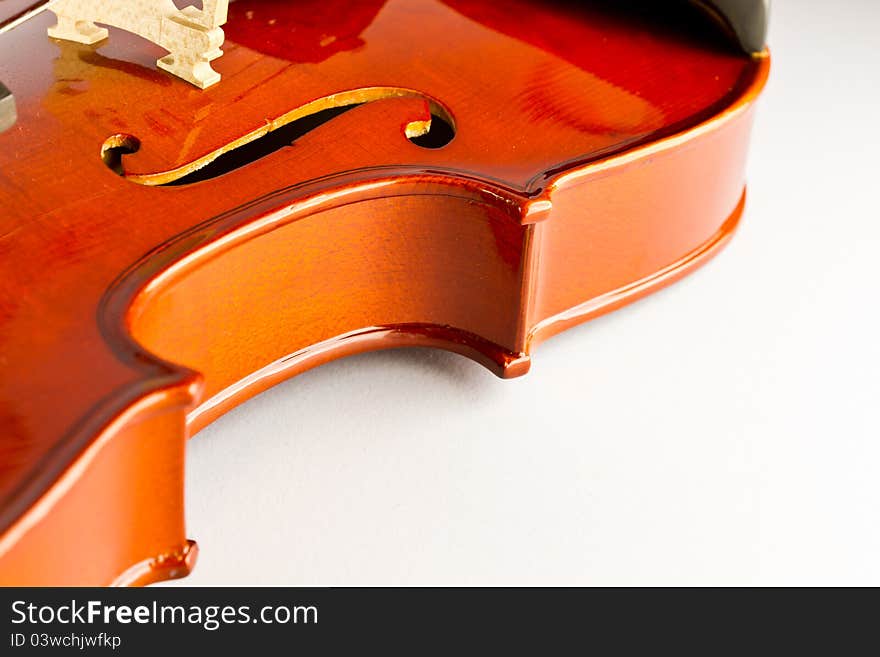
<point>598,154</point>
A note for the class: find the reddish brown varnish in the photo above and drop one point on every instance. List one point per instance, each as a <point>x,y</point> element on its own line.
<point>597,156</point>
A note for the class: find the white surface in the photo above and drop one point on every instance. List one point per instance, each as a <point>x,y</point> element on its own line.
<point>724,431</point>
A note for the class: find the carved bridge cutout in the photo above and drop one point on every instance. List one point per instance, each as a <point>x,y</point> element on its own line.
<point>275,135</point>
<point>191,36</point>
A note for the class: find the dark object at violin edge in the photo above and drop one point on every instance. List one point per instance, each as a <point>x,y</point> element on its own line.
<point>747,19</point>
<point>8,114</point>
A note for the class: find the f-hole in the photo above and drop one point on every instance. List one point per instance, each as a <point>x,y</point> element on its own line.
<point>430,135</point>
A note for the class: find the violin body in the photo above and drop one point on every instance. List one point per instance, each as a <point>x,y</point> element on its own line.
<point>459,174</point>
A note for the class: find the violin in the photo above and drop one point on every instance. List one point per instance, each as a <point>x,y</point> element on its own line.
<point>198,203</point>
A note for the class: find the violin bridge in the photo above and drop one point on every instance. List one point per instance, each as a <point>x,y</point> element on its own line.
<point>191,36</point>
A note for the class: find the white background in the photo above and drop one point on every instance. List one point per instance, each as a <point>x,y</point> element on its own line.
<point>723,431</point>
